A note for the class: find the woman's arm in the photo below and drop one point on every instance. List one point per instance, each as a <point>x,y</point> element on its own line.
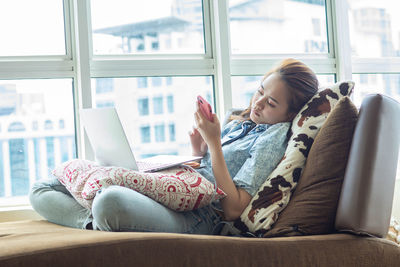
<point>237,199</point>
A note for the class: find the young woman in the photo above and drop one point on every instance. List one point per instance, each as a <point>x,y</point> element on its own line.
<point>238,160</point>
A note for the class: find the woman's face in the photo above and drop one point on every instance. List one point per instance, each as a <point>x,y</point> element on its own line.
<point>269,104</point>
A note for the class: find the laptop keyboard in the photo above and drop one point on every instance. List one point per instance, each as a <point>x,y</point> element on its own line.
<point>143,165</point>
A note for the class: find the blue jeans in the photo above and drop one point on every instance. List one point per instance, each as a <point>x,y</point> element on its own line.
<point>118,208</point>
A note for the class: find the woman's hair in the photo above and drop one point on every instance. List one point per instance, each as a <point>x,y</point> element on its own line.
<point>300,80</point>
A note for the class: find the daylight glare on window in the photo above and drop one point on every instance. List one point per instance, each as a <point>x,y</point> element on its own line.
<point>374,28</point>
<point>29,29</point>
<point>269,27</point>
<point>147,27</point>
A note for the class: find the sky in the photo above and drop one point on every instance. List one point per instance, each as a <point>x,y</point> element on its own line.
<point>107,13</point>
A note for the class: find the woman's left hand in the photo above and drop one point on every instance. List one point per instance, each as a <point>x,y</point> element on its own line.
<point>209,130</point>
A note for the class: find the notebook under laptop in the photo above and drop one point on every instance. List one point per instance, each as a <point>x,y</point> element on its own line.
<point>111,146</point>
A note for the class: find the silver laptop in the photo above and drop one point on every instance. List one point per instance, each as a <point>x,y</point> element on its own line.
<point>111,146</point>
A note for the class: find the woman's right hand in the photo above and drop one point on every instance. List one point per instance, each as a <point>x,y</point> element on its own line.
<point>199,146</point>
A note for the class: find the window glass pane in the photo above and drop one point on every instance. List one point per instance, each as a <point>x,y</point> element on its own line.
<point>31,28</point>
<point>386,84</point>
<point>156,81</point>
<point>142,82</point>
<point>171,132</point>
<point>158,105</point>
<point>159,131</point>
<point>37,131</point>
<point>145,134</point>
<point>169,115</point>
<point>143,106</point>
<point>104,85</point>
<point>170,103</point>
<point>374,28</point>
<point>243,88</point>
<point>286,26</point>
<point>147,27</point>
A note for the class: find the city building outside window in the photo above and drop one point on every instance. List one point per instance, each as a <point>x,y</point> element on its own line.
<point>143,106</point>
<point>104,85</point>
<point>145,134</point>
<point>48,125</point>
<point>171,128</point>
<point>170,103</point>
<point>34,144</point>
<point>168,80</point>
<point>159,131</point>
<point>104,103</point>
<point>156,81</point>
<point>158,105</point>
<point>142,82</point>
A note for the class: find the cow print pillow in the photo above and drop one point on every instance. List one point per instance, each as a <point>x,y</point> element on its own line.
<point>275,192</point>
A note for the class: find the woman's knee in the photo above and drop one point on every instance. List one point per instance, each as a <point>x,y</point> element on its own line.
<point>39,188</point>
<point>108,204</point>
<point>117,208</point>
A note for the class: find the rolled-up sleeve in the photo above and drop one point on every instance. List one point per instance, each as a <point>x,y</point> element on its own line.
<point>265,154</point>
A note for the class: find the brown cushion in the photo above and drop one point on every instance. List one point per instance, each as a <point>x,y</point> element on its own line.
<point>312,208</point>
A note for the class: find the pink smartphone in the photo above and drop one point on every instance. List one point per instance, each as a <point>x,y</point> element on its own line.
<point>205,108</point>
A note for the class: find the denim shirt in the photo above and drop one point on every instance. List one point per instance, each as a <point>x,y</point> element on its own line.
<point>251,152</point>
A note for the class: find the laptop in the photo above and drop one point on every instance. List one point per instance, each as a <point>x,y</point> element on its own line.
<point>111,146</point>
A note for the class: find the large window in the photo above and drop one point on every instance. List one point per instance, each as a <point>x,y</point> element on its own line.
<point>150,59</point>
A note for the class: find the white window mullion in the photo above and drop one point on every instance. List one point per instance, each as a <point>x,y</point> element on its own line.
<point>260,64</point>
<point>81,53</point>
<point>376,65</point>
<point>207,29</point>
<point>221,54</point>
<point>338,20</point>
<point>67,27</point>
<point>152,67</point>
<point>35,67</point>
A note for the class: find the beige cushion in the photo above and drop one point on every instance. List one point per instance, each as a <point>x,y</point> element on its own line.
<point>312,208</point>
<point>40,243</point>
